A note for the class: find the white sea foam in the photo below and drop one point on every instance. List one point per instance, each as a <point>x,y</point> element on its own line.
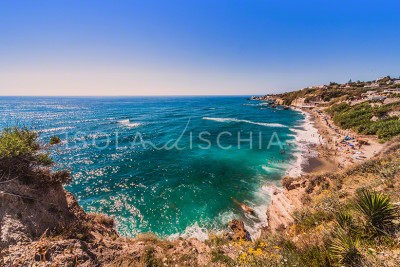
<point>55,129</point>
<point>255,223</point>
<point>268,168</point>
<point>306,137</point>
<point>257,105</point>
<point>273,167</point>
<point>264,104</point>
<point>244,121</point>
<point>129,124</point>
<point>194,230</point>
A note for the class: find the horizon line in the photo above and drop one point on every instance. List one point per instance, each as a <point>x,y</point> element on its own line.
<point>129,95</point>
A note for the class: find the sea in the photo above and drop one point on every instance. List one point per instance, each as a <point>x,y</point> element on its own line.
<point>173,166</point>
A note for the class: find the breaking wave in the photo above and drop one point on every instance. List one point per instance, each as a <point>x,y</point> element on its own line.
<point>244,121</point>
<point>129,124</point>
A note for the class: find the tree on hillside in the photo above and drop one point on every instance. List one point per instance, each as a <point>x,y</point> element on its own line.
<point>22,158</point>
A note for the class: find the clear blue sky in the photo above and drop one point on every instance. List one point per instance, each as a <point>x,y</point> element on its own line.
<point>149,47</point>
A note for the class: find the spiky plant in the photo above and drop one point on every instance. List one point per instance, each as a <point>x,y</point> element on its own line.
<point>377,209</point>
<point>345,249</point>
<point>345,220</point>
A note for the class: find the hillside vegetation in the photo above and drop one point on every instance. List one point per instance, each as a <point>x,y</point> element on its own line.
<point>369,108</point>
<point>333,91</point>
<point>360,118</point>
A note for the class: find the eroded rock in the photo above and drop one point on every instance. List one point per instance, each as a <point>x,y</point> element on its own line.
<point>239,232</point>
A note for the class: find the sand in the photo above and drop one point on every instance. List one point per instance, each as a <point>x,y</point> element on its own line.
<point>333,154</point>
<point>342,153</point>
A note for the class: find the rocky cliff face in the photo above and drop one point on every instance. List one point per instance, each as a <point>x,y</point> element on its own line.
<point>29,211</point>
<point>298,102</point>
<point>44,223</point>
<point>279,101</point>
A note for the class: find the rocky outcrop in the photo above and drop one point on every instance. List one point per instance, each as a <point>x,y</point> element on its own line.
<point>28,211</point>
<point>279,211</point>
<point>279,101</point>
<point>298,102</point>
<point>239,232</point>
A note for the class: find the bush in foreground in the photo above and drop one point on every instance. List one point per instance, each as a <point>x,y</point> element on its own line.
<point>54,140</point>
<point>345,249</point>
<point>22,157</point>
<point>377,209</point>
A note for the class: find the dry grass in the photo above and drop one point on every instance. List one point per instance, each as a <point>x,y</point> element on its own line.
<point>102,219</point>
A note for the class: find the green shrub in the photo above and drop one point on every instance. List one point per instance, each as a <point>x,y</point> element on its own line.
<point>148,259</point>
<point>19,151</point>
<point>312,256</point>
<point>345,249</point>
<point>306,219</point>
<point>387,129</point>
<point>218,256</point>
<point>331,94</point>
<point>345,220</point>
<point>338,108</point>
<point>21,157</point>
<point>15,142</point>
<point>358,118</point>
<point>377,209</point>
<point>54,140</point>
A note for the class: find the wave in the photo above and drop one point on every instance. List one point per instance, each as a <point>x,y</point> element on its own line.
<point>306,137</point>
<point>257,105</point>
<point>202,233</point>
<point>251,105</point>
<point>192,231</point>
<point>129,124</point>
<point>55,129</point>
<point>273,168</point>
<point>244,121</point>
<point>264,104</point>
<point>256,223</point>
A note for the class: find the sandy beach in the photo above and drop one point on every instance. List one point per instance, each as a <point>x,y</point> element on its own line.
<point>336,150</point>
<point>344,147</point>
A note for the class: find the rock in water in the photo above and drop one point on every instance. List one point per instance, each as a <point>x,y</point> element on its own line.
<point>239,232</point>
<point>247,209</point>
<point>244,207</point>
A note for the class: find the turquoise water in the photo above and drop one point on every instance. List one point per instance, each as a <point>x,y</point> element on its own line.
<point>120,152</point>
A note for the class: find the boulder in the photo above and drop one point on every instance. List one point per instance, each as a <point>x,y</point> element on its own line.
<point>239,232</point>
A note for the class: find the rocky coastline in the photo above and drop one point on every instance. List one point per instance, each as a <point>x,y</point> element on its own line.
<point>43,225</point>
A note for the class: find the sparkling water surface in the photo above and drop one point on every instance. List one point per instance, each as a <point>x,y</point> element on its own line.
<point>180,190</point>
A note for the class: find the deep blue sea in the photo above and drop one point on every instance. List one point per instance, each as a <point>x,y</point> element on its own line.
<point>169,165</point>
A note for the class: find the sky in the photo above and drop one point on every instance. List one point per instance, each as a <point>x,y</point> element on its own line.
<point>186,47</point>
